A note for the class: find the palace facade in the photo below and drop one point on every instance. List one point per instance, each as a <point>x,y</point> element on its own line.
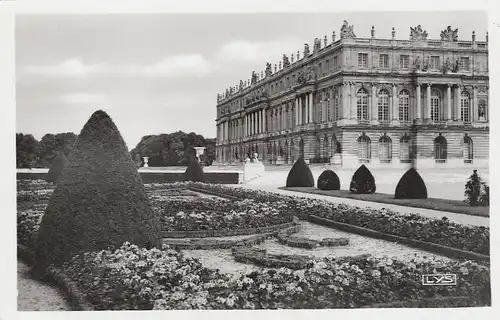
<point>364,100</point>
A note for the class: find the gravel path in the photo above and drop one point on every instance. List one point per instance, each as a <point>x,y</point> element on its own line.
<point>33,295</point>
<point>455,217</point>
<point>224,261</point>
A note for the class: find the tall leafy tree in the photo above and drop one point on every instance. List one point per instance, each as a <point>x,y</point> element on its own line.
<point>26,150</point>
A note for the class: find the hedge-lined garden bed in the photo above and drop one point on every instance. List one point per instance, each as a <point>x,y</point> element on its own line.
<point>455,206</point>
<point>413,226</point>
<point>131,278</point>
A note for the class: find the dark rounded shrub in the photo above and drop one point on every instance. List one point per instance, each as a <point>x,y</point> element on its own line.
<point>411,186</point>
<point>300,175</point>
<point>194,171</point>
<point>57,166</point>
<point>362,181</point>
<point>99,201</point>
<point>328,180</point>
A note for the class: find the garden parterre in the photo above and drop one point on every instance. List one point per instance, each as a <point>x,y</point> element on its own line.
<point>136,278</point>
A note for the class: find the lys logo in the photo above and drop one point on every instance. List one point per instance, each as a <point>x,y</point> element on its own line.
<point>439,279</point>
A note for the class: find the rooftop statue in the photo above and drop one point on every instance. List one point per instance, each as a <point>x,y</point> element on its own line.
<point>254,77</point>
<point>306,50</point>
<point>449,35</point>
<point>347,31</point>
<point>286,62</point>
<point>417,33</point>
<point>317,45</point>
<point>269,70</point>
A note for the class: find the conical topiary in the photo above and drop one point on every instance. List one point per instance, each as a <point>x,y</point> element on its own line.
<point>411,186</point>
<point>362,181</point>
<point>99,202</point>
<point>194,171</point>
<point>57,165</point>
<point>328,180</point>
<point>300,175</point>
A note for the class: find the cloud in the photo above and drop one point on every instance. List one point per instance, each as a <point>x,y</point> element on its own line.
<point>175,66</point>
<point>85,98</point>
<point>260,51</point>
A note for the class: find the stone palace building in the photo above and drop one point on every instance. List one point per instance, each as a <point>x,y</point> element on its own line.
<point>364,100</point>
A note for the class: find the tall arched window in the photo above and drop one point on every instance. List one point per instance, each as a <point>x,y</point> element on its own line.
<point>435,106</point>
<point>465,106</point>
<point>385,149</point>
<point>364,149</point>
<point>405,149</point>
<point>333,145</point>
<point>383,105</point>
<point>404,106</point>
<point>468,151</point>
<point>362,104</point>
<point>440,149</point>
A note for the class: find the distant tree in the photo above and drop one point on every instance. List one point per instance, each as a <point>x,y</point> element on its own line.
<point>51,144</point>
<point>172,149</point>
<point>26,150</point>
<point>476,191</point>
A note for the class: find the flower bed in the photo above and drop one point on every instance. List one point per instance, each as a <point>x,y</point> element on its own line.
<point>438,231</point>
<point>216,214</point>
<point>28,222</point>
<point>32,185</point>
<point>135,278</point>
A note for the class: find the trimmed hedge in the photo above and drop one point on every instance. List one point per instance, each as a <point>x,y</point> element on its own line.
<point>56,167</point>
<point>99,201</point>
<point>194,171</point>
<point>411,186</point>
<point>362,181</point>
<point>328,180</point>
<point>300,175</point>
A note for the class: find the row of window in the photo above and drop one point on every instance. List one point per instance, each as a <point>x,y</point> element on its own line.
<point>404,106</point>
<point>385,149</point>
<point>404,62</point>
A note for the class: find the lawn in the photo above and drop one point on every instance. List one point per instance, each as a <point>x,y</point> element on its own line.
<point>455,206</point>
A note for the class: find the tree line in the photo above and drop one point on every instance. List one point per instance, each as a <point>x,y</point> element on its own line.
<point>173,149</point>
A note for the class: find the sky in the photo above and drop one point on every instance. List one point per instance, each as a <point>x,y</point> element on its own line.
<point>160,73</point>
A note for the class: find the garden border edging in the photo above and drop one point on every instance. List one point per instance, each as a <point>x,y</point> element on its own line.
<point>226,232</point>
<point>427,246</point>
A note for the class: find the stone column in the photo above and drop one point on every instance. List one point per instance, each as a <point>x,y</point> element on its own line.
<point>395,104</point>
<point>345,100</point>
<point>262,116</point>
<point>296,111</point>
<point>474,105</point>
<point>373,110</point>
<point>353,106</point>
<point>300,110</point>
<point>254,121</point>
<point>311,106</point>
<point>428,99</point>
<point>457,103</point>
<point>244,126</point>
<point>419,103</point>
<point>448,102</point>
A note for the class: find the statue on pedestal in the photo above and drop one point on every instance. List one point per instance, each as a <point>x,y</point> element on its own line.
<point>426,64</point>
<point>306,50</point>
<point>347,31</point>
<point>286,62</point>
<point>317,45</point>
<point>457,66</point>
<point>417,63</point>
<point>417,33</point>
<point>269,70</point>
<point>449,35</point>
<point>254,77</point>
<point>447,65</point>
<point>481,112</point>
